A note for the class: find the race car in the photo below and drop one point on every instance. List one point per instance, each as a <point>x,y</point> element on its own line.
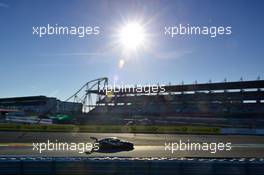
<point>111,145</point>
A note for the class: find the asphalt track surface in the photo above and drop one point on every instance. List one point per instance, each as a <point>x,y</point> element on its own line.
<point>145,145</point>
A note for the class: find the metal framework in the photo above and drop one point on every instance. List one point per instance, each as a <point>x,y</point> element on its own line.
<point>89,93</point>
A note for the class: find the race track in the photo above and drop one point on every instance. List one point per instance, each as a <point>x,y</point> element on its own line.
<point>146,145</point>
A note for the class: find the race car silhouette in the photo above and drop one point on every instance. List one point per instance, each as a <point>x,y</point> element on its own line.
<point>111,145</point>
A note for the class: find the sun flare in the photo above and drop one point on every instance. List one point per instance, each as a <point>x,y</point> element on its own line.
<point>132,36</point>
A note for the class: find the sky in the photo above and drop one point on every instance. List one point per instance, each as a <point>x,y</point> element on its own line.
<point>59,65</point>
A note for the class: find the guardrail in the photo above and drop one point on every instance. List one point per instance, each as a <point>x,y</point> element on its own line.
<point>111,128</point>
<point>131,166</point>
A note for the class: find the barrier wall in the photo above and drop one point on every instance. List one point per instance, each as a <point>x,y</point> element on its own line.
<point>245,131</point>
<point>131,166</point>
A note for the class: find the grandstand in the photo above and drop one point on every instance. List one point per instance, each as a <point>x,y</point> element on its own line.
<point>243,99</point>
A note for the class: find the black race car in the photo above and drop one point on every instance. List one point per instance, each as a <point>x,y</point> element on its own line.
<point>111,145</point>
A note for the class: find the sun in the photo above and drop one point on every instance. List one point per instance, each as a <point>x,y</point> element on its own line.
<point>132,36</point>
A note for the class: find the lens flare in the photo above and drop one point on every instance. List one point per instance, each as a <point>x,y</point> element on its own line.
<point>132,36</point>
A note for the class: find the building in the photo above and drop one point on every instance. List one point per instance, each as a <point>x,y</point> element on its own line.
<point>244,98</point>
<point>40,105</point>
